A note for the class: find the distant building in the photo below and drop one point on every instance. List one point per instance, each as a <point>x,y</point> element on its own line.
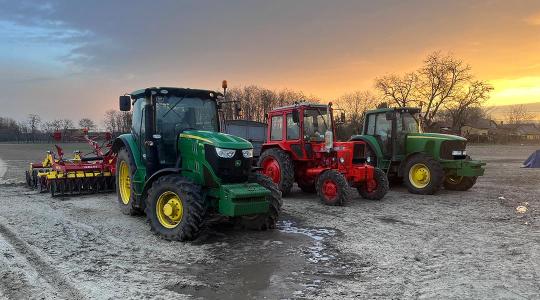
<point>478,128</point>
<point>529,132</point>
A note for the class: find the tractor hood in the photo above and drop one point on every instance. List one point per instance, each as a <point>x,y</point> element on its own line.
<point>217,139</point>
<point>435,136</point>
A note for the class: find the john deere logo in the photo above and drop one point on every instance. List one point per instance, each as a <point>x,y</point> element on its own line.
<point>237,163</point>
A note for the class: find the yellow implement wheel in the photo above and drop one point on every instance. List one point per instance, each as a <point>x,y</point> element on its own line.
<point>169,209</point>
<point>419,175</point>
<point>124,180</point>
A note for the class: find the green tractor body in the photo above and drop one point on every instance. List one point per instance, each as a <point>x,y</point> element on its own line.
<point>425,161</point>
<point>180,167</point>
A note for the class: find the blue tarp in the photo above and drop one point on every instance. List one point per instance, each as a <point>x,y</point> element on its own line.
<point>533,161</point>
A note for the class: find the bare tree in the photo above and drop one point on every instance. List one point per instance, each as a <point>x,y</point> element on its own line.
<point>464,104</point>
<point>441,78</point>
<point>355,105</point>
<point>400,90</point>
<point>255,102</point>
<point>518,114</point>
<point>117,121</point>
<point>109,120</point>
<point>87,123</point>
<point>33,122</point>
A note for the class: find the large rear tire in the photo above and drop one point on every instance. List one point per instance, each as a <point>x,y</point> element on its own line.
<point>376,188</point>
<point>125,169</point>
<point>175,208</point>
<point>267,220</point>
<point>423,175</point>
<point>333,188</point>
<point>278,165</point>
<point>459,183</point>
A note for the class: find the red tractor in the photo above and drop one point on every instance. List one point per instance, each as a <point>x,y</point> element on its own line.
<point>300,147</point>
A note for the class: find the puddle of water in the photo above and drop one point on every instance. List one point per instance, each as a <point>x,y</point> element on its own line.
<point>276,264</point>
<point>316,252</point>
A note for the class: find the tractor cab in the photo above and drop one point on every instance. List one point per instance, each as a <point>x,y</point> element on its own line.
<point>172,112</point>
<point>390,127</point>
<point>303,129</point>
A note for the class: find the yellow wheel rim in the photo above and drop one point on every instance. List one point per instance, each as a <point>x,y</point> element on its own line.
<point>169,210</point>
<point>124,182</point>
<point>419,176</point>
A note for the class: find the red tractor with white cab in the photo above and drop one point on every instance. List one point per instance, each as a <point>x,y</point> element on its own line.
<point>300,147</point>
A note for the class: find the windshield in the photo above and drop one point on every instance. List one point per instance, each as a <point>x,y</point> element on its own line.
<point>410,123</point>
<point>176,114</point>
<point>316,123</point>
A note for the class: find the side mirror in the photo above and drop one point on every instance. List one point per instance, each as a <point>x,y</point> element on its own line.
<point>125,103</point>
<point>389,115</point>
<point>342,117</point>
<point>295,116</point>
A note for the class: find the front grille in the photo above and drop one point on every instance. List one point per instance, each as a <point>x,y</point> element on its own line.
<point>226,168</point>
<point>359,153</point>
<point>448,146</point>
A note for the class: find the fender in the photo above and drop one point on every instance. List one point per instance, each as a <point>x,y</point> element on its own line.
<point>271,145</point>
<point>155,176</point>
<point>372,143</point>
<point>128,141</point>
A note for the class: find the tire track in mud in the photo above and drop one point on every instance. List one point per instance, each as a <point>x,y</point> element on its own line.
<point>47,272</point>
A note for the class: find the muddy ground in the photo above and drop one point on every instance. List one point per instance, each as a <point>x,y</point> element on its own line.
<point>453,245</point>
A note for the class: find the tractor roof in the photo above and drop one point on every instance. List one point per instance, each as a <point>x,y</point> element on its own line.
<point>399,109</point>
<point>180,92</point>
<point>302,104</point>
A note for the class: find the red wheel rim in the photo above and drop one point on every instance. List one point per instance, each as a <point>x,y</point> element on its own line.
<point>271,169</point>
<point>371,185</point>
<point>329,189</point>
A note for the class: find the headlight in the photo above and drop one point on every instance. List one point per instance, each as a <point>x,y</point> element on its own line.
<point>248,153</point>
<point>225,153</point>
<point>459,153</point>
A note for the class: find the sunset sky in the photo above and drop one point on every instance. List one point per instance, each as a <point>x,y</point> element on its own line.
<point>73,58</point>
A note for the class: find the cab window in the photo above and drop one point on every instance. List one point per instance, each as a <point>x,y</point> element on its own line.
<point>293,129</point>
<point>383,127</point>
<point>276,131</point>
<point>371,125</point>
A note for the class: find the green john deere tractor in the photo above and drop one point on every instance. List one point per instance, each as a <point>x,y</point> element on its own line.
<point>424,161</point>
<point>177,167</point>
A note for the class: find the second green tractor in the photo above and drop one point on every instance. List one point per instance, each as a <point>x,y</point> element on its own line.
<point>424,161</point>
<point>178,168</point>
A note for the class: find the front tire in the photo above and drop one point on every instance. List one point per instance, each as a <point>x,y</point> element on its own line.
<point>423,175</point>
<point>125,169</point>
<point>278,165</point>
<point>269,219</point>
<point>459,183</point>
<point>333,188</point>
<point>376,188</point>
<point>175,208</point>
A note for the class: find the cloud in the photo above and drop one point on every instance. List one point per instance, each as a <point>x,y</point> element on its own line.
<point>533,19</point>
